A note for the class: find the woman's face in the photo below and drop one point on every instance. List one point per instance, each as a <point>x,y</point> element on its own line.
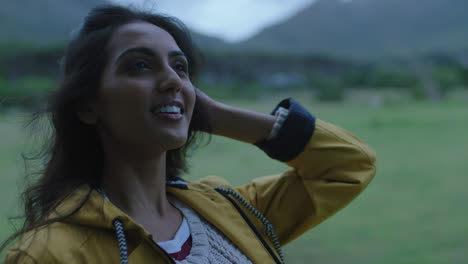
<point>145,99</point>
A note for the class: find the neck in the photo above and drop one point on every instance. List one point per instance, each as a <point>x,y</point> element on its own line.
<point>137,186</point>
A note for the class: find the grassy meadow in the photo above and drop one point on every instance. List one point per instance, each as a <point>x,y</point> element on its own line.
<point>415,210</point>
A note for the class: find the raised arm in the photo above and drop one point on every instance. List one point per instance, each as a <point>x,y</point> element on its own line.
<point>330,167</point>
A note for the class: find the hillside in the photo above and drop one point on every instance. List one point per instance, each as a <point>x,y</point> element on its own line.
<point>353,29</point>
<point>49,22</point>
<point>370,28</point>
<point>44,22</point>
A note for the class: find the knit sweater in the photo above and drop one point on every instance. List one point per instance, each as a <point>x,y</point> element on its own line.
<point>209,245</point>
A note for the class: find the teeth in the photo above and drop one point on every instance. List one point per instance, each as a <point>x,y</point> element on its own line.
<point>169,109</point>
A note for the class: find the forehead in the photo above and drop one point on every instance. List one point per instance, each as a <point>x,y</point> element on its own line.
<point>141,34</point>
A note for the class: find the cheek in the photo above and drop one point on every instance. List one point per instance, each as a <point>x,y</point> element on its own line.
<point>123,92</point>
<point>122,102</point>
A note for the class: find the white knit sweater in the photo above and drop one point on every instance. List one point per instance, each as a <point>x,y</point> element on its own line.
<point>209,246</point>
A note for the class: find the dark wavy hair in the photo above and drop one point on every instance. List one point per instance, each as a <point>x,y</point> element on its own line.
<point>72,154</point>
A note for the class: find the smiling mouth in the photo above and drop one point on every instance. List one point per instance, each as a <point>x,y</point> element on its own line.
<point>171,111</point>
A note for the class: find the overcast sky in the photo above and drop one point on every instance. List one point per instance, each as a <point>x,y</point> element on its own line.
<point>231,20</point>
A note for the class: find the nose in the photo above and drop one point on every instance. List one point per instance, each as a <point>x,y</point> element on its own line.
<point>169,81</point>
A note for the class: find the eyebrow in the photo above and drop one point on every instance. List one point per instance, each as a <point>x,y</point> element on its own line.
<point>148,52</point>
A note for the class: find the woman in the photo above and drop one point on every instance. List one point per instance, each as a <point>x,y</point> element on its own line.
<point>123,118</point>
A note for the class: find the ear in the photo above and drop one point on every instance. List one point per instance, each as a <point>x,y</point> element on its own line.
<point>87,113</point>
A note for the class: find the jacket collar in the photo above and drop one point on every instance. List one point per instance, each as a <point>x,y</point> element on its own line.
<point>98,213</point>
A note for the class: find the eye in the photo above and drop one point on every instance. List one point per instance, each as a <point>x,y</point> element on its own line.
<point>181,67</point>
<point>140,65</point>
<point>137,66</point>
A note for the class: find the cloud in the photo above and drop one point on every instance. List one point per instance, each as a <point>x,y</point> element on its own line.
<point>230,20</point>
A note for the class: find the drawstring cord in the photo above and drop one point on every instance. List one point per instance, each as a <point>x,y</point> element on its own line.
<point>119,230</point>
<point>268,227</point>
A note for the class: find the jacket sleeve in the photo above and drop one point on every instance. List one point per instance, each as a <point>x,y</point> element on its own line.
<point>330,167</point>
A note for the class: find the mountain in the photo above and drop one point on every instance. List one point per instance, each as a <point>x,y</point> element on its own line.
<point>207,43</point>
<point>369,28</point>
<point>41,22</point>
<point>51,22</point>
<point>354,29</point>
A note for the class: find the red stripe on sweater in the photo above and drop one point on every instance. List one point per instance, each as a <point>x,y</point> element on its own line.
<point>184,251</point>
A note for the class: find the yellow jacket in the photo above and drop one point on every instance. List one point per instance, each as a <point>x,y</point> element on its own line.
<point>332,169</point>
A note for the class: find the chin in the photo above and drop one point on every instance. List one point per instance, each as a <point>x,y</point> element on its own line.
<point>176,143</point>
<point>169,140</point>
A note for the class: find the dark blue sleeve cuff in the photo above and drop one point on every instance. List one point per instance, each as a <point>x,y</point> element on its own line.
<point>294,134</point>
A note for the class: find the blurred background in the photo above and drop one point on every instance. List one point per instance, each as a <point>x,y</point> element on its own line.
<point>394,72</point>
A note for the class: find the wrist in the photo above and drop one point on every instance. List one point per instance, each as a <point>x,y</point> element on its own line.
<point>281,114</point>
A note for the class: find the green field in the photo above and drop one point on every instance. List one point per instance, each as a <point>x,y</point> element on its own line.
<point>415,211</point>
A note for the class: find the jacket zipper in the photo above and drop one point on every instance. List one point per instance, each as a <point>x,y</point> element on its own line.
<point>251,225</point>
